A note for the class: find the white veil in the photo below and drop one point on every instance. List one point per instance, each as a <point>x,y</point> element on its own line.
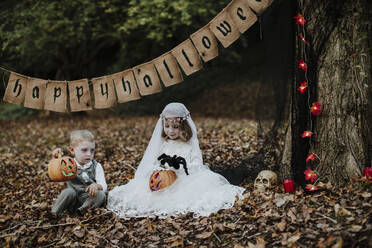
<point>149,159</point>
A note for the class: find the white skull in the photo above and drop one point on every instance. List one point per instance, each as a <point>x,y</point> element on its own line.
<point>265,180</point>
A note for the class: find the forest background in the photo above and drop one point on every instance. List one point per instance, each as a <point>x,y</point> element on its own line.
<point>246,85</point>
<point>69,40</point>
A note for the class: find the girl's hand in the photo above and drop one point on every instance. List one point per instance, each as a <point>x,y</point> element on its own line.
<point>93,189</point>
<point>56,152</point>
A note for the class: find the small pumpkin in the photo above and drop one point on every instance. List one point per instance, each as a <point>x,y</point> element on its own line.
<point>62,169</point>
<point>161,179</point>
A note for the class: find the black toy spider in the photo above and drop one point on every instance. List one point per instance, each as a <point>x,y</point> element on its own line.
<point>174,161</point>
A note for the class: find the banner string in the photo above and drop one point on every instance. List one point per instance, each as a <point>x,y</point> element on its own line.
<point>4,81</point>
<point>4,69</point>
<point>260,24</point>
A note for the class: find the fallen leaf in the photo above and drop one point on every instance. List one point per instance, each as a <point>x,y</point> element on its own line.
<point>204,235</point>
<point>41,239</point>
<point>260,243</point>
<point>119,235</point>
<point>281,225</point>
<point>291,215</point>
<point>149,227</point>
<point>293,239</point>
<point>231,226</point>
<point>366,195</point>
<point>177,242</point>
<point>339,243</point>
<point>355,228</point>
<point>154,238</point>
<point>341,211</point>
<point>238,246</point>
<point>79,231</point>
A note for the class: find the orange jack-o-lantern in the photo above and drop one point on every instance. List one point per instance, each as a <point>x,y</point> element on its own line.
<point>162,179</point>
<point>62,169</point>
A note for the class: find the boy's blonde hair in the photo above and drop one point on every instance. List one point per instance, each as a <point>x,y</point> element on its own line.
<point>78,136</point>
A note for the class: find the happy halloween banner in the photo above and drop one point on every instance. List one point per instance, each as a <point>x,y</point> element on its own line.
<point>141,80</point>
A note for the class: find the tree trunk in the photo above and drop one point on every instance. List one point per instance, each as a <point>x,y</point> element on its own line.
<point>338,56</point>
<point>342,136</point>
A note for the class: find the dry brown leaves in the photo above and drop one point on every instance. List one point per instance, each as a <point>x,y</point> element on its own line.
<point>284,220</point>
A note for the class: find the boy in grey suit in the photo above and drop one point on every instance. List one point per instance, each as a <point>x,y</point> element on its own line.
<point>89,187</point>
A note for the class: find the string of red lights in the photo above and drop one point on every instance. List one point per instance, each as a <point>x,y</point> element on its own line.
<point>315,108</point>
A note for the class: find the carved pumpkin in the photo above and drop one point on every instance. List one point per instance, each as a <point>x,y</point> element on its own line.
<point>162,179</point>
<point>62,169</point>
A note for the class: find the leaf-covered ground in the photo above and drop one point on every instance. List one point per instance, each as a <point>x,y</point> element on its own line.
<point>282,220</point>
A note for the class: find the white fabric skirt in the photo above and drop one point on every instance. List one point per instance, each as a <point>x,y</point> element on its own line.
<point>201,193</point>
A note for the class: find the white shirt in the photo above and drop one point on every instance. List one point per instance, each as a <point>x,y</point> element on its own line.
<point>100,174</point>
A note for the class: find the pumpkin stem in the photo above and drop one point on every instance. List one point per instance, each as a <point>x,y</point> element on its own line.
<point>58,155</point>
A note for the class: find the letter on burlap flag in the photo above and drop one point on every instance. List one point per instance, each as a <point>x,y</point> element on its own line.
<point>206,43</point>
<point>224,28</point>
<point>16,89</point>
<point>35,93</point>
<point>104,92</point>
<point>79,95</point>
<point>259,6</point>
<point>147,79</point>
<point>56,96</point>
<point>187,57</point>
<point>125,85</point>
<point>168,69</point>
<point>241,14</point>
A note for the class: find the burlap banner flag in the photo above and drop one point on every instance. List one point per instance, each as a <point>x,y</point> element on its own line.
<point>104,92</point>
<point>147,79</point>
<point>79,95</point>
<point>35,93</point>
<point>187,57</point>
<point>16,89</point>
<point>206,43</point>
<point>241,14</point>
<point>167,67</point>
<point>56,96</point>
<point>125,85</point>
<point>259,5</point>
<point>224,28</point>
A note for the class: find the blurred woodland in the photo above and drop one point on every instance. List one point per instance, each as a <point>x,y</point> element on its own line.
<point>69,40</point>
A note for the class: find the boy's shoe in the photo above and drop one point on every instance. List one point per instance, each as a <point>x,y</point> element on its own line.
<point>81,211</point>
<point>53,215</point>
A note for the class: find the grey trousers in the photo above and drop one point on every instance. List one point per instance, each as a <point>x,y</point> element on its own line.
<point>70,200</point>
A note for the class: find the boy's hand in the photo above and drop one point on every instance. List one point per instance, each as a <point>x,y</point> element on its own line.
<point>93,189</point>
<point>56,152</point>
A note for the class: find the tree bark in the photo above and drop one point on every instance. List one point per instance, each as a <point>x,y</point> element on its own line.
<point>342,135</point>
<point>338,56</point>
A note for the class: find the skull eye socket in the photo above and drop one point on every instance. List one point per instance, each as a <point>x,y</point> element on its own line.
<point>265,181</point>
<point>258,180</point>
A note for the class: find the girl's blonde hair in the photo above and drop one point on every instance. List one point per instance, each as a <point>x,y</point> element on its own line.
<point>78,136</point>
<point>185,130</point>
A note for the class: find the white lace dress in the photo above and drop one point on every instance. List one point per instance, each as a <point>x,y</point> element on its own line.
<point>202,191</point>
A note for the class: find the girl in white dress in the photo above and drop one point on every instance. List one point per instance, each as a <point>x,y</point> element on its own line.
<point>197,189</point>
